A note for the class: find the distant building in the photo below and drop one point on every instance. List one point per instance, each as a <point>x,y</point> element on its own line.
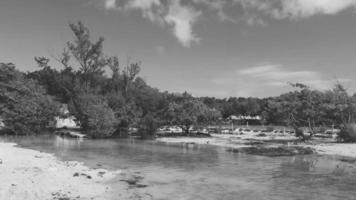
<point>246,117</point>
<point>233,117</point>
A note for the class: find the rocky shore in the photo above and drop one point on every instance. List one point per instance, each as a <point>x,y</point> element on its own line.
<point>238,144</point>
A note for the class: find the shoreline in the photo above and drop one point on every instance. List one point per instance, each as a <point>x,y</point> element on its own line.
<point>34,175</point>
<point>332,149</point>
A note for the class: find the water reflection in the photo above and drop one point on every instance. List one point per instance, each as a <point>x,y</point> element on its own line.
<point>64,143</point>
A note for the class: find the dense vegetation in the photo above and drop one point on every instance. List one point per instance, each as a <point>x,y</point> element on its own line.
<point>109,97</point>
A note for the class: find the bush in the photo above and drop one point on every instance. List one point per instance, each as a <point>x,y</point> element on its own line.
<point>347,133</point>
<point>24,106</point>
<point>94,114</point>
<point>148,127</point>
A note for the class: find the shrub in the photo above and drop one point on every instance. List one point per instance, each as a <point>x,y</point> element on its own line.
<point>25,107</point>
<point>94,114</point>
<point>148,126</point>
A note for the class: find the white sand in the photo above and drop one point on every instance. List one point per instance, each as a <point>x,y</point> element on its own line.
<point>338,149</point>
<point>31,175</point>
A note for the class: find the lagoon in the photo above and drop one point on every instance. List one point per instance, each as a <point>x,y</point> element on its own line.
<point>178,171</point>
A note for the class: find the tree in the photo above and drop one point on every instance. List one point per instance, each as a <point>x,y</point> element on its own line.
<point>24,105</point>
<point>189,111</point>
<point>88,54</point>
<point>148,126</point>
<point>95,116</point>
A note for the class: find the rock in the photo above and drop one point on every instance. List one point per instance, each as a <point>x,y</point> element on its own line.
<point>275,151</point>
<point>134,182</point>
<point>101,174</point>
<point>348,160</point>
<point>76,174</point>
<point>261,135</point>
<point>141,185</point>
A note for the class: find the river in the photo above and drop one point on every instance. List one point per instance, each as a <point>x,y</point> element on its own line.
<point>194,172</point>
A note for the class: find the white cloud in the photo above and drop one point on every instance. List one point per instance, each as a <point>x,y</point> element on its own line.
<point>295,9</point>
<point>307,8</point>
<point>181,16</point>
<point>272,79</point>
<point>256,11</point>
<point>276,75</point>
<point>110,4</point>
<point>150,8</point>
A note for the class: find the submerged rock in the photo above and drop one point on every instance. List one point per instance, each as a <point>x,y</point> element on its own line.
<point>274,151</point>
<point>134,182</point>
<point>82,174</point>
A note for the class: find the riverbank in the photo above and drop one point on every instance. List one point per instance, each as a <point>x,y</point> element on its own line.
<point>337,149</point>
<point>33,175</point>
<point>230,141</point>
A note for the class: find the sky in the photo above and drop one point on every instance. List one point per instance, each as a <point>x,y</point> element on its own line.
<point>219,48</point>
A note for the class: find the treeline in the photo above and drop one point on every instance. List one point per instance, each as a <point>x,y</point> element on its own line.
<point>302,107</point>
<point>108,97</point>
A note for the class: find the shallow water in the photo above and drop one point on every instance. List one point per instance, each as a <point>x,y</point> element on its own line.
<point>176,171</point>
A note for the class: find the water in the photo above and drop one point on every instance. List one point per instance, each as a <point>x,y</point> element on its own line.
<point>175,171</point>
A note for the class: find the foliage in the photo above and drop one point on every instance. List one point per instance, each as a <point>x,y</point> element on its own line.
<point>94,114</point>
<point>148,126</point>
<point>188,111</point>
<point>24,105</point>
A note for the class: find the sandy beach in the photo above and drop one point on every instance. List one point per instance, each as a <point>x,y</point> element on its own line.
<point>337,149</point>
<point>33,175</point>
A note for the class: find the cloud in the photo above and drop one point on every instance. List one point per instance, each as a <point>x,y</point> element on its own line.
<point>181,16</point>
<point>265,80</point>
<point>277,75</point>
<point>110,4</point>
<point>182,19</point>
<point>256,11</point>
<point>307,8</point>
<point>295,9</point>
